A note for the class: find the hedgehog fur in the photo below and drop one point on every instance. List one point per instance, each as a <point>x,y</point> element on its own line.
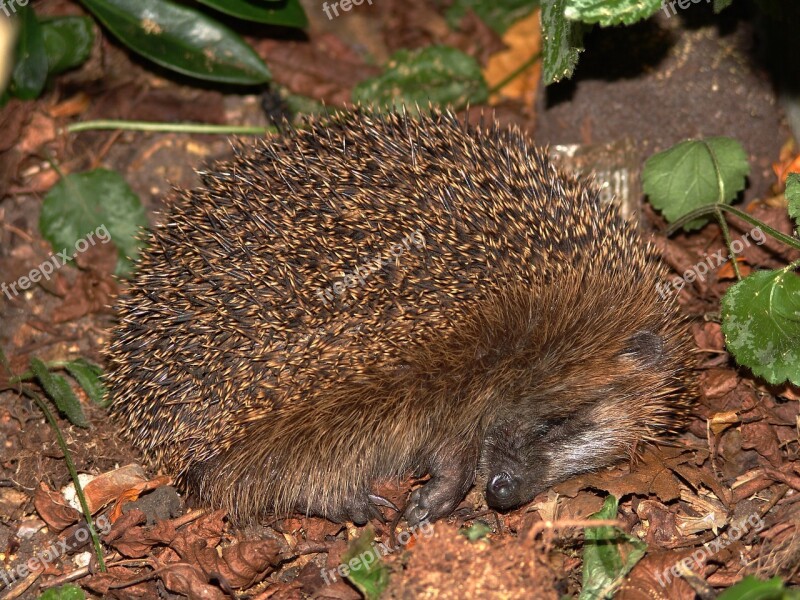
<point>375,296</point>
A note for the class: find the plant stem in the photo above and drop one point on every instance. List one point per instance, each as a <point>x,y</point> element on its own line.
<point>514,74</point>
<point>98,549</point>
<point>169,127</point>
<point>727,235</point>
<point>710,209</point>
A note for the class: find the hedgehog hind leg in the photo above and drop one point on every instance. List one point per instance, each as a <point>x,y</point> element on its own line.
<point>452,474</point>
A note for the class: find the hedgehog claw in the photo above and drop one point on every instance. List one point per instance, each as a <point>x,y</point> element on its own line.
<point>415,511</point>
<point>381,501</point>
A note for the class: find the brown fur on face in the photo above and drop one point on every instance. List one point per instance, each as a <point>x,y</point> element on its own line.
<point>526,318</point>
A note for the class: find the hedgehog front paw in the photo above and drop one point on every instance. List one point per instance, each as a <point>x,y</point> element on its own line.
<point>435,499</point>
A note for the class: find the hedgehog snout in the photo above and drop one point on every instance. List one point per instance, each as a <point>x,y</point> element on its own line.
<point>502,491</point>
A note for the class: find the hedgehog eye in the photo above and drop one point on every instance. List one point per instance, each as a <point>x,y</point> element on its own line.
<point>646,347</point>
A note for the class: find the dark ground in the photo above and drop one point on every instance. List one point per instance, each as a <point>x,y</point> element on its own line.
<point>737,460</point>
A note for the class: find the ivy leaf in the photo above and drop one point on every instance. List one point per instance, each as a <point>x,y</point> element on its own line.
<point>288,13</point>
<point>751,588</point>
<point>610,12</point>
<point>562,42</point>
<point>497,15</point>
<point>58,390</point>
<point>720,5</point>
<point>476,531</point>
<point>80,204</point>
<point>30,69</point>
<point>64,592</point>
<point>761,323</point>
<point>181,38</point>
<point>414,78</point>
<point>370,576</point>
<point>695,173</point>
<point>793,196</point>
<point>609,554</point>
<point>88,375</point>
<point>67,41</point>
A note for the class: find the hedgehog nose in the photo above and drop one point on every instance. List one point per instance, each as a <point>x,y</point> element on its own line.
<point>500,490</point>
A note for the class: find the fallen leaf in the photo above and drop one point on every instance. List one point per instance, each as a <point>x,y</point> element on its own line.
<point>761,437</point>
<point>53,508</point>
<point>653,579</point>
<point>106,487</point>
<point>523,39</point>
<point>719,422</point>
<point>133,540</point>
<point>189,581</point>
<point>652,474</point>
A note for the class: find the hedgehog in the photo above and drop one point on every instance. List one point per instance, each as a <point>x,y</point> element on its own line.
<point>376,296</point>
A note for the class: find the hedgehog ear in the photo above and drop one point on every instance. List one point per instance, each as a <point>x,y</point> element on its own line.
<point>645,347</point>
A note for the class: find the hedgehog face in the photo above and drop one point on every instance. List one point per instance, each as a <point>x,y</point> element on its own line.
<point>532,449</point>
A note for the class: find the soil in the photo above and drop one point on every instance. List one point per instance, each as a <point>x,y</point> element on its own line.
<point>729,483</point>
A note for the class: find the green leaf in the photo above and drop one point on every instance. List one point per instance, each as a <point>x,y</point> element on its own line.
<point>695,173</point>
<point>610,12</point>
<point>94,206</point>
<point>562,42</point>
<point>413,78</point>
<point>476,531</point>
<point>181,38</point>
<point>497,15</point>
<point>88,375</point>
<point>608,555</point>
<point>370,576</point>
<point>30,71</point>
<point>793,196</point>
<point>58,390</point>
<point>67,41</point>
<point>287,13</point>
<point>720,5</point>
<point>751,588</point>
<point>761,323</point>
<point>65,592</point>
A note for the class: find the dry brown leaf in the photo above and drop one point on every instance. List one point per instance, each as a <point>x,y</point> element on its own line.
<point>70,107</point>
<point>53,508</point>
<point>240,565</point>
<point>652,474</point>
<point>40,130</point>
<point>108,486</point>
<point>715,383</point>
<point>523,39</point>
<point>726,271</point>
<point>135,541</point>
<point>323,68</point>
<point>131,494</point>
<point>645,580</point>
<point>708,336</point>
<point>762,438</point>
<point>719,422</point>
<point>662,528</point>
<point>116,577</point>
<point>190,581</point>
<point>95,287</point>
